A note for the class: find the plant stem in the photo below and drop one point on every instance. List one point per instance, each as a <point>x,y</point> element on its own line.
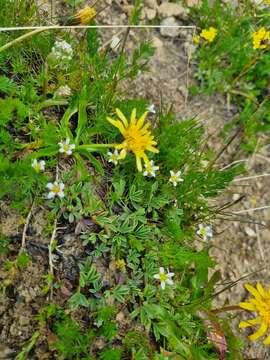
<point>23,37</point>
<point>95,146</point>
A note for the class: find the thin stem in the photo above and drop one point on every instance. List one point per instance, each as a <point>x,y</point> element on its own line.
<point>22,38</point>
<point>51,255</point>
<point>27,221</point>
<point>120,59</point>
<point>95,146</point>
<point>226,308</point>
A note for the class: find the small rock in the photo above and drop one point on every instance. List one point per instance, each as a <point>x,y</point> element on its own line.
<point>236,197</point>
<point>167,9</point>
<point>169,31</point>
<point>151,3</point>
<point>120,317</point>
<point>159,46</point>
<point>195,3</point>
<point>128,9</point>
<point>150,13</point>
<point>24,320</point>
<point>250,232</point>
<point>6,352</point>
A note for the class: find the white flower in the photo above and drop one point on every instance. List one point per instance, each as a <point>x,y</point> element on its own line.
<point>164,278</point>
<point>63,91</point>
<point>151,108</point>
<point>38,165</point>
<point>56,189</point>
<point>66,147</point>
<point>115,42</point>
<point>150,169</point>
<point>175,177</point>
<point>205,231</point>
<point>113,157</point>
<point>62,50</point>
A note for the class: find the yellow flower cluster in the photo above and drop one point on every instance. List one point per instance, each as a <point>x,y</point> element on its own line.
<point>209,34</point>
<point>261,305</point>
<point>137,138</point>
<point>84,16</point>
<point>260,38</point>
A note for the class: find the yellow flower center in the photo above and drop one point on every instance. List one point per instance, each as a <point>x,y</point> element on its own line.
<point>174,178</point>
<point>114,157</point>
<point>136,141</point>
<point>66,147</point>
<point>163,277</point>
<point>203,231</point>
<point>56,189</point>
<point>37,167</point>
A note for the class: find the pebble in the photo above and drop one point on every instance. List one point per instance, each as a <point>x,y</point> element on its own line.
<point>196,3</point>
<point>167,31</point>
<point>250,232</point>
<point>167,9</point>
<point>150,13</point>
<point>151,4</point>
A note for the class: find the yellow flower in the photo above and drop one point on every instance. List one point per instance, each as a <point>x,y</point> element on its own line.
<point>196,39</point>
<point>261,305</point>
<point>84,16</point>
<point>260,38</point>
<point>137,137</point>
<point>209,34</point>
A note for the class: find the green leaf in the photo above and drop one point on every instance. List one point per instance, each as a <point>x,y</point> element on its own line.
<point>120,292</point>
<point>82,115</point>
<point>77,300</point>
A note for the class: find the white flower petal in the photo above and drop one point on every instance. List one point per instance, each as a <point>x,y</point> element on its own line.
<point>49,186</point>
<point>161,270</point>
<point>156,276</point>
<point>162,284</point>
<point>51,195</point>
<point>169,281</point>
<point>61,194</point>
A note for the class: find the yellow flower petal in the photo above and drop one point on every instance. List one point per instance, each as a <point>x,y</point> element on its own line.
<point>259,333</point>
<point>118,124</point>
<point>151,148</point>
<point>133,117</point>
<point>141,120</point>
<point>252,322</point>
<point>253,291</point>
<point>122,117</point>
<point>247,306</point>
<point>261,290</point>
<point>267,340</point>
<point>139,163</point>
